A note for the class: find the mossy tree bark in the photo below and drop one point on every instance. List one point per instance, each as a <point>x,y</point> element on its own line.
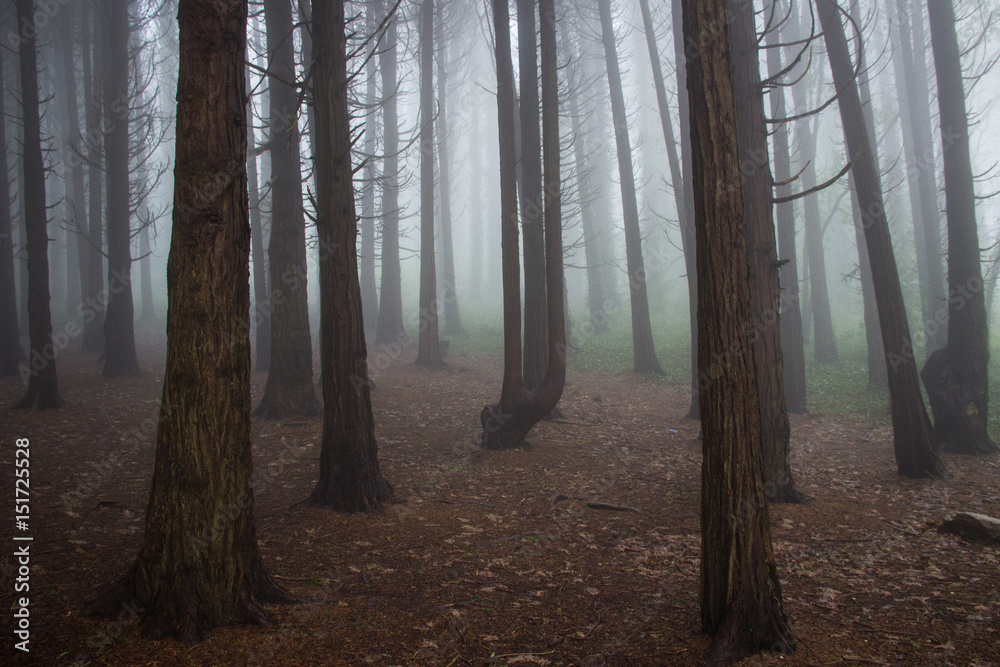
<point>199,565</point>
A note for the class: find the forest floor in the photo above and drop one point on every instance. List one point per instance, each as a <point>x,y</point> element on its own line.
<point>496,557</point>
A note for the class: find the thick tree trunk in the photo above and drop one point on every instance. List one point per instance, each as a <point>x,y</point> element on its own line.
<point>289,390</point>
<point>11,351</point>
<point>449,292</point>
<point>643,351</point>
<point>350,479</point>
<point>369,291</point>
<point>95,298</point>
<point>390,313</point>
<point>43,387</point>
<point>531,197</point>
<point>956,376</point>
<point>428,343</point>
<point>765,288</point>
<point>199,565</point>
<point>507,428</point>
<point>792,345</point>
<point>261,314</point>
<point>120,358</point>
<point>741,603</point>
<point>914,446</point>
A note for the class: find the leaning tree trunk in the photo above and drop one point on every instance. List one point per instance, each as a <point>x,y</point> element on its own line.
<point>914,445</point>
<point>350,479</point>
<point>792,345</point>
<point>765,288</point>
<point>43,387</point>
<point>956,376</point>
<point>289,390</point>
<point>428,343</point>
<point>643,351</point>
<point>120,358</point>
<point>369,291</point>
<point>741,603</point>
<point>503,428</point>
<point>390,312</point>
<point>10,336</point>
<point>199,566</point>
<point>94,295</point>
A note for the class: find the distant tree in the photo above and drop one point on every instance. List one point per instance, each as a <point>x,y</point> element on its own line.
<point>93,65</point>
<point>428,344</point>
<point>350,479</point>
<point>741,599</point>
<point>289,389</point>
<point>449,292</point>
<point>262,300</point>
<point>916,454</point>
<point>643,350</point>
<point>11,351</point>
<point>43,387</point>
<point>956,376</point>
<point>199,565</point>
<point>369,289</point>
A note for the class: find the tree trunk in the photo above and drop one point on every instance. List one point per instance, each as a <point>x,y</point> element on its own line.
<point>95,298</point>
<point>765,288</point>
<point>11,351</point>
<point>146,271</point>
<point>503,427</point>
<point>452,323</point>
<point>390,313</point>
<point>476,261</point>
<point>289,390</point>
<point>956,376</point>
<point>792,345</point>
<point>369,291</point>
<point>878,377</point>
<point>43,387</point>
<point>643,351</point>
<point>120,359</point>
<point>261,314</point>
<point>914,446</point>
<point>741,603</point>
<point>350,479</point>
<point>428,344</point>
<point>199,565</point>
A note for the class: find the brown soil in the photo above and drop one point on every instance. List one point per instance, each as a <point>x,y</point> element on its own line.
<point>496,558</point>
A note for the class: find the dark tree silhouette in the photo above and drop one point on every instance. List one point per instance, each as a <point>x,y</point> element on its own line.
<point>120,359</point>
<point>956,376</point>
<point>289,390</point>
<point>43,387</point>
<point>11,351</point>
<point>914,446</point>
<point>643,351</point>
<point>261,316</point>
<point>199,565</point>
<point>369,291</point>
<point>93,293</point>
<point>741,604</point>
<point>350,479</point>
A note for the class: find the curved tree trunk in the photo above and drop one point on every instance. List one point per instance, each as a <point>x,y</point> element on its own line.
<point>956,376</point>
<point>914,447</point>
<point>289,390</point>
<point>741,602</point>
<point>350,479</point>
<point>199,565</point>
<point>43,387</point>
<point>643,351</point>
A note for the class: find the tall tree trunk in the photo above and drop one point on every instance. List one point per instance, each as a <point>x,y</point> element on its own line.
<point>95,298</point>
<point>956,376</point>
<point>505,428</point>
<point>75,192</point>
<point>289,389</point>
<point>390,313</point>
<point>120,359</point>
<point>914,446</point>
<point>350,479</point>
<point>146,271</point>
<point>43,387</point>
<point>11,351</point>
<point>428,344</point>
<point>530,162</point>
<point>261,315</point>
<point>199,565</point>
<point>452,323</point>
<point>369,292</point>
<point>643,351</point>
<point>741,603</point>
<point>477,231</point>
<point>765,288</point>
<point>792,345</point>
